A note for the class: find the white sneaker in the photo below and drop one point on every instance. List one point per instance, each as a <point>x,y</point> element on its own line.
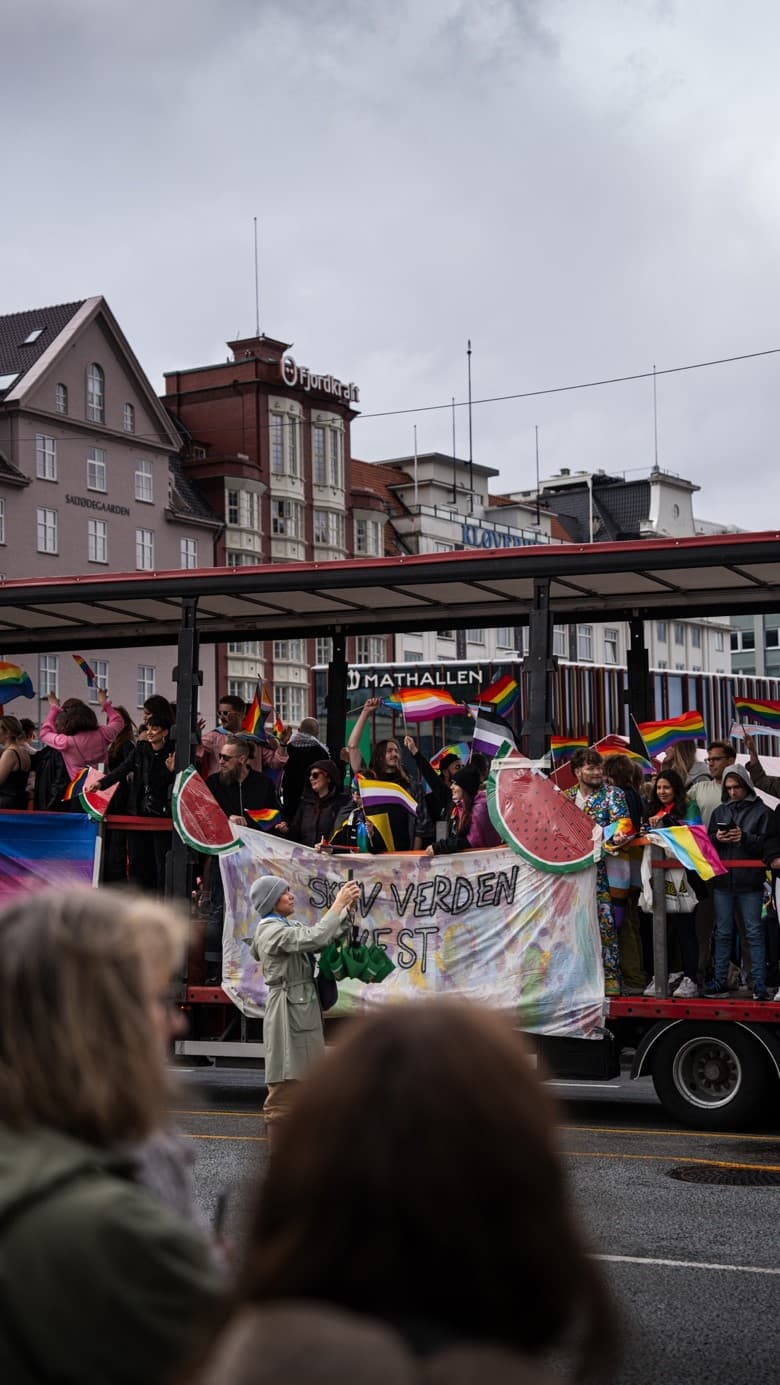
<point>650,989</point>
<point>687,989</point>
<point>675,978</point>
<point>777,993</point>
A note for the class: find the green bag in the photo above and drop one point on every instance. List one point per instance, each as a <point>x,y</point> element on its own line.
<point>332,964</point>
<point>356,961</point>
<point>378,964</point>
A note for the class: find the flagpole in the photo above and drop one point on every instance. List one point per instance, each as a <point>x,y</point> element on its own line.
<point>641,737</point>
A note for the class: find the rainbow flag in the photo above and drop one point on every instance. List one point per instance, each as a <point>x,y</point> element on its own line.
<point>422,704</point>
<point>460,748</point>
<point>692,847</point>
<point>381,793</point>
<point>618,745</point>
<point>264,818</point>
<point>75,786</point>
<point>623,825</point>
<point>563,747</point>
<point>501,695</point>
<point>254,719</point>
<point>14,682</point>
<point>89,673</point>
<point>756,709</point>
<point>661,735</point>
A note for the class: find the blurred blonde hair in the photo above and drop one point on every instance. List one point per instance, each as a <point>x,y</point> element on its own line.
<point>79,1049</point>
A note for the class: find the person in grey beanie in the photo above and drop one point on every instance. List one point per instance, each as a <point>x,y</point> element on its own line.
<point>292,1027</point>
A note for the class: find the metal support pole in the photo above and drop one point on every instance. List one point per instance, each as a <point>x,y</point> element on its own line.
<point>538,670</point>
<point>188,678</point>
<point>660,950</point>
<point>336,696</point>
<point>639,688</point>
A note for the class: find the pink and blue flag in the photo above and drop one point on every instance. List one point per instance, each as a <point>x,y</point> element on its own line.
<point>39,849</point>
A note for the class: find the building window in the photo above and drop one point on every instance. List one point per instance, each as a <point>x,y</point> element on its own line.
<point>679,668</point>
<point>324,650</point>
<point>2,519</point>
<point>189,553</point>
<point>772,636</point>
<point>505,637</point>
<point>720,641</point>
<point>661,631</point>
<point>611,646</point>
<point>96,394</point>
<point>61,398</point>
<point>96,469</point>
<point>368,537</point>
<point>336,458</point>
<point>319,472</point>
<point>475,636</point>
<point>439,546</point>
<point>45,457</point>
<point>100,670</point>
<point>284,445</point>
<point>286,519</point>
<point>47,675</point>
<point>290,703</point>
<point>247,509</point>
<point>236,558</point>
<point>144,486</point>
<point>370,649</point>
<point>328,528</point>
<point>241,687</point>
<point>277,445</point>
<point>249,648</point>
<point>561,641</point>
<point>289,650</point>
<point>97,540</point>
<point>679,632</point>
<point>47,531</point>
<point>144,684</point>
<point>585,642</point>
<point>695,637</point>
<point>662,663</point>
<point>144,550</point>
<point>232,507</point>
<point>128,418</point>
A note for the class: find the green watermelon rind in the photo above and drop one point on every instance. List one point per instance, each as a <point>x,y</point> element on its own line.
<point>506,834</point>
<point>205,848</point>
<point>89,808</point>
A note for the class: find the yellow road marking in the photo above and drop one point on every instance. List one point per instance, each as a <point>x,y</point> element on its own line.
<point>682,1134</point>
<point>665,1158</point>
<point>243,1115</point>
<point>193,1135</point>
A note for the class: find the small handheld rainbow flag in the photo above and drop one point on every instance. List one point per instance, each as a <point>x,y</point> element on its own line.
<point>661,735</point>
<point>89,673</point>
<point>563,747</point>
<point>459,748</point>
<point>757,710</point>
<point>618,745</point>
<point>14,682</point>
<point>624,826</point>
<point>255,716</point>
<point>77,783</point>
<point>500,695</point>
<point>422,704</point>
<point>264,818</point>
<point>381,793</point>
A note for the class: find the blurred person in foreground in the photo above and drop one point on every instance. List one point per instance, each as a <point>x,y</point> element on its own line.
<point>101,1283</point>
<point>425,1233</point>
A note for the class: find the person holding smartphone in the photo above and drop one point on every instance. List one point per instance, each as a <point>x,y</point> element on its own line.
<point>738,829</point>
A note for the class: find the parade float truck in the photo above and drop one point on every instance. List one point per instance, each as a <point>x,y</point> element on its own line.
<point>513,927</point>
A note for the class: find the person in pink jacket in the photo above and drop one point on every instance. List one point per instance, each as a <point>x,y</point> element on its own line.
<point>74,731</point>
<point>470,824</point>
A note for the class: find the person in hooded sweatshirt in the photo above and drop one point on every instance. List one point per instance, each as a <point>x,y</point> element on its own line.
<point>320,805</point>
<point>738,829</point>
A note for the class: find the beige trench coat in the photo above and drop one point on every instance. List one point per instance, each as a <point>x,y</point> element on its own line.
<point>292,1027</point>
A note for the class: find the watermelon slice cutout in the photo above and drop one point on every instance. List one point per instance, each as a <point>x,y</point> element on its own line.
<point>198,818</point>
<point>95,801</point>
<point>537,821</point>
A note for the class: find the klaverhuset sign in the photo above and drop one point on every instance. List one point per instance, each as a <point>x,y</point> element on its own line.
<point>300,377</point>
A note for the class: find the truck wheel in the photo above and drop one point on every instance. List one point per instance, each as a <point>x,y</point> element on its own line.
<point>711,1076</point>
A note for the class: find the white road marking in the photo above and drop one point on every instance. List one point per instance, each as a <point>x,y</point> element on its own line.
<point>684,1264</point>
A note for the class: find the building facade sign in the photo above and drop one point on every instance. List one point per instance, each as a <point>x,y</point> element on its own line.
<point>462,680</point>
<point>87,503</point>
<point>300,377</point>
<point>474,536</point>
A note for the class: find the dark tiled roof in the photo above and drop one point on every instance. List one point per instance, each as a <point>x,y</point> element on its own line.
<point>15,358</point>
<point>185,499</point>
<point>11,473</point>
<point>619,508</point>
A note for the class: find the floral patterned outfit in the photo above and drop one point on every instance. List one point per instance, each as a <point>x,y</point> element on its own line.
<point>605,805</point>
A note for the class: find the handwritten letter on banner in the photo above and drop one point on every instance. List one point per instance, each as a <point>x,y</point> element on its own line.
<point>482,925</point>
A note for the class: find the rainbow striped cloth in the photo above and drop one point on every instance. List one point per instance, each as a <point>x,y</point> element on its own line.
<point>77,783</point>
<point>563,747</point>
<point>659,736</point>
<point>256,713</point>
<point>381,793</point>
<point>460,748</point>
<point>618,745</point>
<point>89,673</point>
<point>500,695</point>
<point>14,682</point>
<point>756,709</point>
<point>422,704</point>
<point>264,818</point>
<point>692,848</point>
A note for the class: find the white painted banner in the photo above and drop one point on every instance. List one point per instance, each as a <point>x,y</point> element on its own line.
<point>480,925</point>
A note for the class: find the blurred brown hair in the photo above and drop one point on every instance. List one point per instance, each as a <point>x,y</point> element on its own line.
<point>76,716</point>
<point>418,1176</point>
<point>623,771</point>
<point>78,1050</point>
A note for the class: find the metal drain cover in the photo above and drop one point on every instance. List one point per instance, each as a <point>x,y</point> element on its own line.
<point>739,1177</point>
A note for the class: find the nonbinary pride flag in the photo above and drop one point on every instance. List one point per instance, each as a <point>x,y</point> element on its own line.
<point>382,793</point>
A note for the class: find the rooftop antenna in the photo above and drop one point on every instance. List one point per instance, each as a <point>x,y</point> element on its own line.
<point>655,421</point>
<point>257,288</point>
<point>454,455</point>
<point>471,448</point>
<point>538,520</point>
<point>416,502</point>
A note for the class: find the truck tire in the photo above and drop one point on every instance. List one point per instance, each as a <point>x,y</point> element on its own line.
<point>712,1076</point>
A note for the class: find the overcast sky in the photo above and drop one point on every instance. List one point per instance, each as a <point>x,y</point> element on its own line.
<point>584,188</point>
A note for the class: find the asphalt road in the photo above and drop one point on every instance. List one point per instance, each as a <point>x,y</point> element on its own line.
<point>694,1267</point>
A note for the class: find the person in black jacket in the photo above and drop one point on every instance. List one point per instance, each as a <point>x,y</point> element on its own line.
<point>321,804</point>
<point>772,858</point>
<point>438,795</point>
<point>150,763</point>
<point>738,828</point>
